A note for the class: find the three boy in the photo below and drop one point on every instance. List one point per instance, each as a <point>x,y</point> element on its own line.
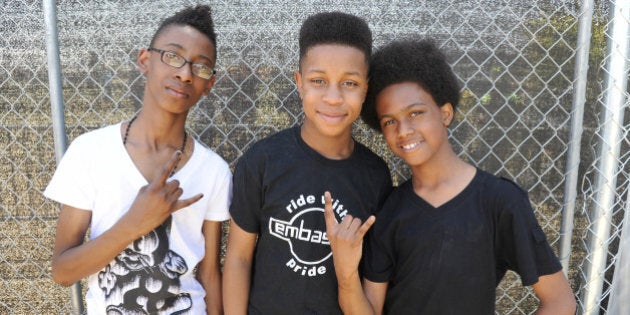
<point>278,258</point>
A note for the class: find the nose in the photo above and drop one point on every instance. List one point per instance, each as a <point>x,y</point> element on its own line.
<point>333,95</point>
<point>404,128</point>
<point>184,73</point>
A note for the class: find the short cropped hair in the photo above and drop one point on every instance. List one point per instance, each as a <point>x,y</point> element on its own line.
<point>335,28</point>
<point>198,17</point>
<point>417,61</point>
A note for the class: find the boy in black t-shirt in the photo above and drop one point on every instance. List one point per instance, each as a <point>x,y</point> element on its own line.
<point>445,238</point>
<point>278,258</point>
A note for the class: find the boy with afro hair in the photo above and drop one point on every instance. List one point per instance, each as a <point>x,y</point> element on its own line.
<point>152,198</point>
<point>445,238</point>
<point>278,258</point>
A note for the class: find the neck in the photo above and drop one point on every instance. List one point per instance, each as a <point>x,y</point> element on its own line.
<point>156,132</point>
<point>438,171</point>
<point>332,147</point>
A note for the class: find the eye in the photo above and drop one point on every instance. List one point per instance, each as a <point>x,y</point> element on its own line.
<point>202,70</point>
<point>171,56</point>
<point>349,84</point>
<point>318,82</point>
<point>387,122</point>
<point>416,113</point>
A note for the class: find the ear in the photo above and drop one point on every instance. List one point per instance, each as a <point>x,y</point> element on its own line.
<point>143,60</point>
<point>447,114</point>
<point>209,85</point>
<point>298,81</point>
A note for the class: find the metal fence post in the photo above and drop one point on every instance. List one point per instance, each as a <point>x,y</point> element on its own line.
<point>57,107</point>
<point>573,155</point>
<point>610,144</point>
<point>619,303</point>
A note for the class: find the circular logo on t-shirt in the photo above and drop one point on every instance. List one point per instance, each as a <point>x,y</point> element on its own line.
<point>306,235</point>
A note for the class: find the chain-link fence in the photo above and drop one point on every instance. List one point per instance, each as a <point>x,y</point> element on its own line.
<point>516,61</point>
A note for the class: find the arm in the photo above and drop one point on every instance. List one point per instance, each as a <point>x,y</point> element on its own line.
<point>208,270</point>
<point>375,293</point>
<point>238,269</point>
<point>555,295</point>
<point>73,260</point>
<point>346,242</point>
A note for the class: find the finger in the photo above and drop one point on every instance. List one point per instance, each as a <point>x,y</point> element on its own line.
<point>366,226</point>
<point>170,186</point>
<point>329,216</point>
<point>347,221</point>
<point>173,197</point>
<point>354,224</point>
<point>166,171</point>
<point>186,202</point>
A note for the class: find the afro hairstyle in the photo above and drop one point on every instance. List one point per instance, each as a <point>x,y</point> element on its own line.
<point>335,28</point>
<point>413,60</point>
<point>198,17</point>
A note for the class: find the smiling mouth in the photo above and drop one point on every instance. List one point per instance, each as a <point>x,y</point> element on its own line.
<point>410,146</point>
<point>334,117</point>
<point>177,92</point>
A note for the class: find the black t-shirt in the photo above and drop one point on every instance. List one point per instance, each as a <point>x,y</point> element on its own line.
<point>278,193</point>
<point>449,260</point>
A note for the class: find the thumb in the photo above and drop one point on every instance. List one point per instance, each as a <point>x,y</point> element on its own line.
<point>366,226</point>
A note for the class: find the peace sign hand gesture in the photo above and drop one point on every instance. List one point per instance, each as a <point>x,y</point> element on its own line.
<point>346,239</point>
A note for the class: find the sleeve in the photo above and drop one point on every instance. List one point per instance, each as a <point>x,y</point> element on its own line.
<point>247,193</point>
<point>71,183</point>
<point>385,190</point>
<point>521,243</point>
<point>221,197</point>
<point>378,258</point>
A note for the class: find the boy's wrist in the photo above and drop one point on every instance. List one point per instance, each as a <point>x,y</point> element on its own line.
<point>348,280</point>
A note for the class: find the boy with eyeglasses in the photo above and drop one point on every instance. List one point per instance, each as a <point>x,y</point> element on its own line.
<point>278,258</point>
<point>152,197</point>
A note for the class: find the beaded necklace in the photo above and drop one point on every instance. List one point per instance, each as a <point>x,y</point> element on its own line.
<point>181,150</point>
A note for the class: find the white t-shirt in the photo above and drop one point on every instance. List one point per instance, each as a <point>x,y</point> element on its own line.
<point>154,273</point>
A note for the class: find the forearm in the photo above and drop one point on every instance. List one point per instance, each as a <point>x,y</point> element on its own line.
<point>555,295</point>
<point>564,305</point>
<point>211,282</point>
<point>556,309</point>
<point>236,285</point>
<point>76,263</point>
<point>352,299</point>
<point>209,270</point>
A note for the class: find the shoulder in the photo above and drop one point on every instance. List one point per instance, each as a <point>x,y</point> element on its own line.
<point>207,154</point>
<point>366,155</point>
<point>504,197</point>
<point>96,141</point>
<point>397,201</point>
<point>499,187</point>
<point>276,144</point>
<point>103,133</point>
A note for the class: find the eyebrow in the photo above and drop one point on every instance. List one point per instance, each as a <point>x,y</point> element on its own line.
<point>182,47</point>
<point>405,109</point>
<point>352,73</point>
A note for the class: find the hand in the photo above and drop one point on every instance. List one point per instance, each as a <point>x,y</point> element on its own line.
<point>346,239</point>
<point>157,200</point>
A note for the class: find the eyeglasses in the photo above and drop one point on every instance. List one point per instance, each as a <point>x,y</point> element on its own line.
<point>176,61</point>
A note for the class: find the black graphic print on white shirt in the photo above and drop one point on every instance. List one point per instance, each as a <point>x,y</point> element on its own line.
<point>144,278</point>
